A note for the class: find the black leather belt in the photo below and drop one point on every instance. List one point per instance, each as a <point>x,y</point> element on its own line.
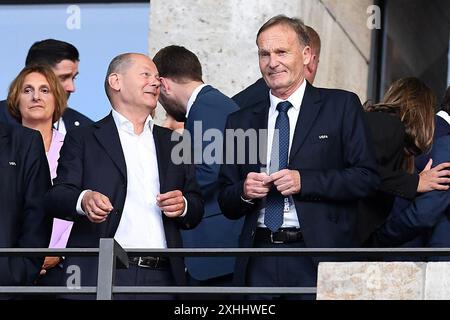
<point>283,235</point>
<point>150,262</point>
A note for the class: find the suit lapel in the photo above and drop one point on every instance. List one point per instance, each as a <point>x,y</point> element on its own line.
<point>161,155</point>
<point>308,113</point>
<point>3,138</point>
<point>259,122</point>
<point>108,136</point>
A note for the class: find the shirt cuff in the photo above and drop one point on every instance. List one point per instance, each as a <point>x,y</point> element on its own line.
<point>250,201</point>
<point>79,208</point>
<point>185,207</point>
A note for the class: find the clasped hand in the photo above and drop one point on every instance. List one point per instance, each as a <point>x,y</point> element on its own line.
<point>258,185</point>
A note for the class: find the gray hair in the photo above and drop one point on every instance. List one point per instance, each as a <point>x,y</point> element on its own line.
<point>295,23</point>
<point>117,65</point>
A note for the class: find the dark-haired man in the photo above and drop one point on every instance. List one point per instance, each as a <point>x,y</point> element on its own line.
<point>186,96</point>
<point>63,58</point>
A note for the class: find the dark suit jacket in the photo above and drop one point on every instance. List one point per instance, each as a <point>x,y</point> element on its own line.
<point>24,179</point>
<point>92,158</point>
<point>210,109</point>
<point>388,138</point>
<point>335,160</point>
<point>251,95</point>
<point>72,118</point>
<point>442,128</point>
<point>427,213</point>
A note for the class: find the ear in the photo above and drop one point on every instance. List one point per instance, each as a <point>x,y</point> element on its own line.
<point>306,55</point>
<point>165,84</point>
<point>114,81</point>
<point>310,65</point>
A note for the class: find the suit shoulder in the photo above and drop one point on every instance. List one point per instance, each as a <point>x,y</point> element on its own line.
<point>22,132</point>
<point>215,101</point>
<point>338,99</point>
<point>441,150</point>
<point>164,132</point>
<point>22,137</point>
<point>253,94</point>
<point>384,119</point>
<point>337,93</point>
<point>83,130</point>
<point>243,113</point>
<point>74,115</point>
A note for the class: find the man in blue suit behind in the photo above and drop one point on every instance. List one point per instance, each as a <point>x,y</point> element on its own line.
<point>319,157</point>
<point>184,94</point>
<point>428,216</point>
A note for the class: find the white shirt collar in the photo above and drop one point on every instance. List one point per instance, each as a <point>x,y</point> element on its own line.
<point>444,115</point>
<point>122,123</point>
<point>193,97</point>
<point>295,99</point>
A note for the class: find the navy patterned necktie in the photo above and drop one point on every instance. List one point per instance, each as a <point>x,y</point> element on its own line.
<point>275,201</point>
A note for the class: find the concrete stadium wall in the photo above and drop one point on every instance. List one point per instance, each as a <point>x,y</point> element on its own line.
<point>223,32</point>
<point>383,281</point>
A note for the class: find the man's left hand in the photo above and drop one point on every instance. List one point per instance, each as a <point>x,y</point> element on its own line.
<point>171,203</point>
<point>287,182</point>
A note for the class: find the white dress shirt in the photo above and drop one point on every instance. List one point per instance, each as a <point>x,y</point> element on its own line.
<point>290,218</point>
<point>444,115</point>
<point>193,97</point>
<point>141,224</point>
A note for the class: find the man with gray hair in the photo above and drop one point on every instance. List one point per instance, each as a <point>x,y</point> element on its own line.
<point>318,164</point>
<point>116,180</point>
<point>257,91</point>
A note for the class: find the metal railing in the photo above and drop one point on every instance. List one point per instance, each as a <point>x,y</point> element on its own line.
<point>112,255</point>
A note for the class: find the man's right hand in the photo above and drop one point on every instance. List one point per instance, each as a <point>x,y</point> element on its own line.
<point>96,206</point>
<point>254,187</point>
<point>436,178</point>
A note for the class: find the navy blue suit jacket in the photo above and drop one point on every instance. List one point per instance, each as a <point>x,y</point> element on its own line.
<point>427,214</point>
<point>442,128</point>
<point>72,118</point>
<point>251,95</point>
<point>331,151</point>
<point>210,109</point>
<point>24,179</point>
<point>92,158</point>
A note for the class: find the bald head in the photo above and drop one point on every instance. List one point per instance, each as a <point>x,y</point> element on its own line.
<point>132,82</point>
<point>119,64</point>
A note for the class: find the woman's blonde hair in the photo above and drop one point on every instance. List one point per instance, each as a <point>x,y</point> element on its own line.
<point>56,89</point>
<point>414,103</point>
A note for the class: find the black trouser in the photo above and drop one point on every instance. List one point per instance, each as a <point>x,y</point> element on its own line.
<point>281,271</point>
<point>142,276</point>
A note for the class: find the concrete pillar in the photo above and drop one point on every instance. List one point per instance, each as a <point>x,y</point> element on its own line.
<point>437,281</point>
<point>223,32</point>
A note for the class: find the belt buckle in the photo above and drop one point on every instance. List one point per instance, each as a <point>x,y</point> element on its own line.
<point>140,263</point>
<point>143,265</point>
<point>274,241</point>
